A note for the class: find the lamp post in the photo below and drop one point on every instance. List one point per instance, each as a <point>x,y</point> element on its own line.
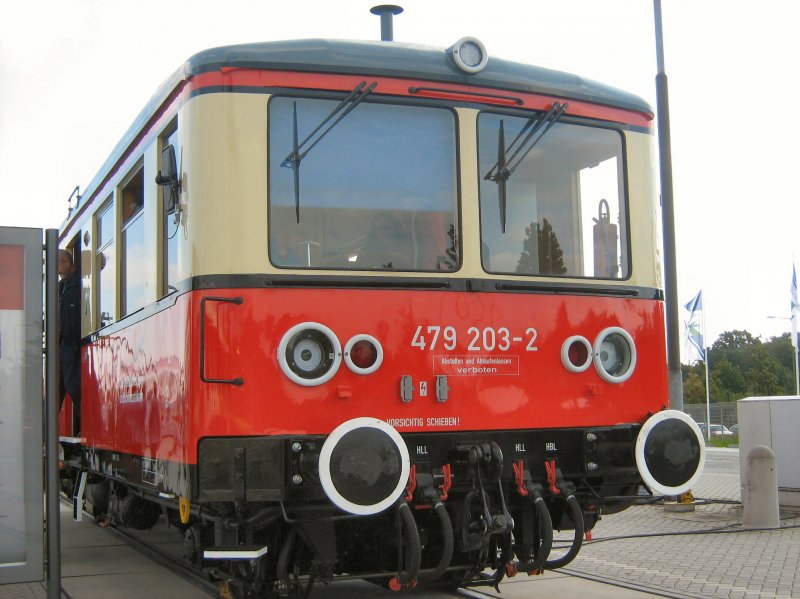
<point>796,356</point>
<point>668,223</point>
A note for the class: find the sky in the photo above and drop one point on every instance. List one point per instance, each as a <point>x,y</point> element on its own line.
<point>75,73</point>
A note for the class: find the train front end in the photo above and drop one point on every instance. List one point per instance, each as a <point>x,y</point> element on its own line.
<point>420,314</point>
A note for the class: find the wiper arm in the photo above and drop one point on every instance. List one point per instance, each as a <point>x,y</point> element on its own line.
<point>292,160</point>
<point>502,170</point>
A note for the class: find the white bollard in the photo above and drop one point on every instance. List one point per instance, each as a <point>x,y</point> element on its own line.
<point>760,489</point>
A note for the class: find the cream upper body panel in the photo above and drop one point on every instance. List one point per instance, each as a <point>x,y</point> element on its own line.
<point>644,209</point>
<point>225,196</point>
<point>224,199</point>
<point>223,221</point>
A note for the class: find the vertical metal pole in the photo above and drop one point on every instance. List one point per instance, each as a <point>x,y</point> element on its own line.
<point>708,392</point>
<point>386,13</point>
<point>668,220</point>
<point>51,409</point>
<point>387,31</point>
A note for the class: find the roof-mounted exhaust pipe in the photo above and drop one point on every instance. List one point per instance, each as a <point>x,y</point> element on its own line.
<point>386,12</point>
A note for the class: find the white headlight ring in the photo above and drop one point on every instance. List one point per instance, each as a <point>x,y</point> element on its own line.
<point>309,354</point>
<point>614,355</point>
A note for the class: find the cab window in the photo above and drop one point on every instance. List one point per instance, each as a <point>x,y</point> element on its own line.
<point>555,207</point>
<point>377,192</point>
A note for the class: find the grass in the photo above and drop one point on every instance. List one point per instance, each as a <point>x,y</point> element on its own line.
<point>726,441</point>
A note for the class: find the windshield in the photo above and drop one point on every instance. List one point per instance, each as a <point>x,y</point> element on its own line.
<point>378,192</point>
<point>561,210</point>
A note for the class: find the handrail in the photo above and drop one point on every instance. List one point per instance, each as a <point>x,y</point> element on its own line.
<point>233,300</point>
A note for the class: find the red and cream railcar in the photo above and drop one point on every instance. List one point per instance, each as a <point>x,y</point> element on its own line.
<point>328,285</point>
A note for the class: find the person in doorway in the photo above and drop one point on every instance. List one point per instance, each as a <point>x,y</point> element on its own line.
<point>69,347</point>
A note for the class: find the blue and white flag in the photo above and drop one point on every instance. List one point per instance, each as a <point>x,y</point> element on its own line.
<point>795,307</point>
<point>694,329</point>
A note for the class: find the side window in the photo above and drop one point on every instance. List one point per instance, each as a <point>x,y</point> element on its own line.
<point>105,265</point>
<point>133,263</point>
<point>170,233</point>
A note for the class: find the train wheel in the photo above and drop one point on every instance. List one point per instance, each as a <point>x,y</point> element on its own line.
<point>67,486</point>
<point>193,545</point>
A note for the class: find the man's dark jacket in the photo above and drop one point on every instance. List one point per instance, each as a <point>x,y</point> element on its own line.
<point>69,305</point>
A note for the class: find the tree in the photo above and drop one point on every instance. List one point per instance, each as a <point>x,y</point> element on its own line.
<point>766,376</point>
<point>730,380</point>
<point>741,365</point>
<point>694,388</point>
<point>736,340</point>
<point>548,257</point>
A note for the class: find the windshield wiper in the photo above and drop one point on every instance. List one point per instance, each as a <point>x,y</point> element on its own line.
<point>344,108</point>
<point>502,170</point>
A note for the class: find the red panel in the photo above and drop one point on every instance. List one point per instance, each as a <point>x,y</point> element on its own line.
<point>143,392</point>
<point>12,277</point>
<point>400,87</point>
<point>65,418</point>
<point>135,388</point>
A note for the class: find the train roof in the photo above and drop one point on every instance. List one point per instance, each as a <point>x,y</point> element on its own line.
<point>394,59</point>
<point>388,59</point>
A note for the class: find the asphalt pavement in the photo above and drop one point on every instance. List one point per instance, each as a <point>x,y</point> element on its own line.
<point>644,551</point>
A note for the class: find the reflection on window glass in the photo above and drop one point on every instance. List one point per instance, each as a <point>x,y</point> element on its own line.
<point>564,204</point>
<point>378,192</point>
<point>136,268</point>
<point>171,235</point>
<point>105,228</point>
<point>106,271</point>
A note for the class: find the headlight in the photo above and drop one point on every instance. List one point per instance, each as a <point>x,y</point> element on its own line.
<point>309,354</point>
<point>576,353</point>
<point>363,354</point>
<point>614,355</point>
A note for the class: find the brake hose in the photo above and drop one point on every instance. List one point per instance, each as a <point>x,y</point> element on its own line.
<point>408,577</point>
<point>447,545</point>
<point>577,541</point>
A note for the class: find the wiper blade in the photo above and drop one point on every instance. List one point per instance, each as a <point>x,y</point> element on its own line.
<point>502,170</point>
<point>295,165</point>
<point>345,107</point>
<point>502,175</point>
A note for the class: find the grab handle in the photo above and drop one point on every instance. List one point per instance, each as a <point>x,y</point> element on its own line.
<point>232,300</point>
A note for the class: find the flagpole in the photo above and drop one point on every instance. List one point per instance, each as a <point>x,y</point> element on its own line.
<point>708,385</point>
<point>708,390</point>
<point>793,318</point>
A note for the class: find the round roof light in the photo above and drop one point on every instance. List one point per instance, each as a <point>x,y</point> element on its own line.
<point>469,55</point>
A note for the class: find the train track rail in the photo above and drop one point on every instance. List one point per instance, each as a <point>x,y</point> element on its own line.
<point>175,563</point>
<point>653,590</point>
